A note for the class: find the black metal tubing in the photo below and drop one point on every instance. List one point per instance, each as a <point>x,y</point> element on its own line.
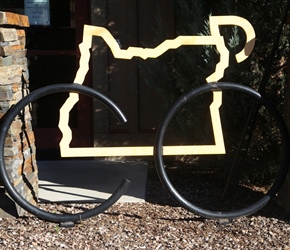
<point>158,152</point>
<point>5,124</point>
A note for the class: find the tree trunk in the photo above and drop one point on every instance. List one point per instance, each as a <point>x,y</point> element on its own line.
<point>284,193</point>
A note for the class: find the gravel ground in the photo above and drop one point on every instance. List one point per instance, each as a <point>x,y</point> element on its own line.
<point>156,224</point>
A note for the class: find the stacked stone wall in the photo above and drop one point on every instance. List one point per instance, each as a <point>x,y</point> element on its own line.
<point>19,148</point>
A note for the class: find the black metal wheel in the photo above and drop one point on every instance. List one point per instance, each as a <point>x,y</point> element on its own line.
<point>16,111</point>
<point>230,185</point>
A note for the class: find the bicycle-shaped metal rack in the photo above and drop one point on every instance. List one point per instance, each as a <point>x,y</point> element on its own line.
<point>214,94</point>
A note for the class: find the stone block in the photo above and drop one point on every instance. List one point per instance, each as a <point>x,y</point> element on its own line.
<point>8,50</point>
<point>6,93</point>
<point>9,141</point>
<point>28,167</point>
<point>5,51</point>
<point>17,19</point>
<point>11,80</point>
<point>9,70</point>
<point>16,135</point>
<point>21,33</point>
<point>10,74</point>
<point>5,106</point>
<point>19,53</point>
<point>8,35</point>
<point>15,128</point>
<point>19,95</point>
<point>21,37</point>
<point>16,87</point>
<point>28,139</point>
<point>8,18</point>
<point>12,167</point>
<point>11,151</point>
<point>3,18</point>
<point>6,61</point>
<point>20,61</point>
<point>12,43</point>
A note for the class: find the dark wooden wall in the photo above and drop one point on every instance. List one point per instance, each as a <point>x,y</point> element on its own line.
<point>131,22</point>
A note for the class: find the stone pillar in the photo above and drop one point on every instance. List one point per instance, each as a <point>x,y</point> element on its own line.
<point>19,147</point>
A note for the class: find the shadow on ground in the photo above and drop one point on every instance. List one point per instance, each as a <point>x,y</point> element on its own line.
<point>207,196</point>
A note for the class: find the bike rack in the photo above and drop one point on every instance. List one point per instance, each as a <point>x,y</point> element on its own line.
<point>69,219</point>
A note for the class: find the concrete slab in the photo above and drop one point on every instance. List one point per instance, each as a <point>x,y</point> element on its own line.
<point>90,180</point>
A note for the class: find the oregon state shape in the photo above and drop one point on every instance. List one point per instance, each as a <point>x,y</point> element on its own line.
<point>214,38</point>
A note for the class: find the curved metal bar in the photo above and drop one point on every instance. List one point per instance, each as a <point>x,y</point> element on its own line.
<point>5,125</point>
<point>158,152</point>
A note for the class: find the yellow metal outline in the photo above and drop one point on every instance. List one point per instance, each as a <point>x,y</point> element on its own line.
<point>214,39</point>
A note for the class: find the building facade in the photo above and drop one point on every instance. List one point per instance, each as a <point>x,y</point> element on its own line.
<point>56,30</point>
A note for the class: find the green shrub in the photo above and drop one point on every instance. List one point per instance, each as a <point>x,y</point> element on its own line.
<point>176,72</point>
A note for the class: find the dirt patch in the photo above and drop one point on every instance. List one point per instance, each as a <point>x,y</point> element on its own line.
<point>159,223</point>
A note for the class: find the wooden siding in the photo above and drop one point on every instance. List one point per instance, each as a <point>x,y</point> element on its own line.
<point>131,22</point>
